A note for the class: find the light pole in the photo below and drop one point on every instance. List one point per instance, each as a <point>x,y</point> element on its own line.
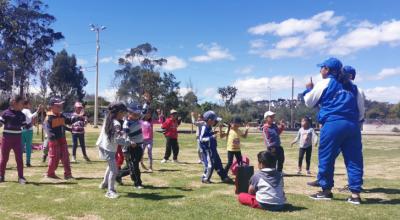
<point>97,29</point>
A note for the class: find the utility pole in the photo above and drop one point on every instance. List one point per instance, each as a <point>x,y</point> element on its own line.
<point>269,101</point>
<point>97,29</point>
<point>291,106</point>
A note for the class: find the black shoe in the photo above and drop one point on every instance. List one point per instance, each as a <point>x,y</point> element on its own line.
<point>355,201</point>
<point>2,179</point>
<point>314,183</point>
<point>119,181</point>
<point>44,159</point>
<point>206,181</point>
<point>322,196</point>
<point>28,165</point>
<point>228,180</point>
<point>87,159</point>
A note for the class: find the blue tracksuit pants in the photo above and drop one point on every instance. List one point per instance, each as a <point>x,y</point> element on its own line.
<point>212,161</point>
<point>344,136</point>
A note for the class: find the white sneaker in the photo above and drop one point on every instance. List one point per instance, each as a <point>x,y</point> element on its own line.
<point>200,162</point>
<point>299,172</point>
<point>139,187</point>
<point>150,170</point>
<point>164,161</point>
<point>22,181</point>
<point>103,186</point>
<point>74,160</point>
<point>112,195</point>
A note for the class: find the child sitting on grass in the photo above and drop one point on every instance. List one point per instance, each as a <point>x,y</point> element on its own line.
<point>234,134</point>
<point>266,186</point>
<point>306,137</point>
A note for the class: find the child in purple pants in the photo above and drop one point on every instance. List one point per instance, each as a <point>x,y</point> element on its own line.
<point>13,120</point>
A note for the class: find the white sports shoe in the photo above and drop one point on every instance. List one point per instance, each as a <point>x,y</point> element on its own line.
<point>164,161</point>
<point>112,195</point>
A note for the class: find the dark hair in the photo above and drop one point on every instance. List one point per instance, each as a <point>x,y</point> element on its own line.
<point>16,98</point>
<point>267,159</point>
<point>113,110</point>
<point>27,101</point>
<point>149,111</point>
<point>308,119</point>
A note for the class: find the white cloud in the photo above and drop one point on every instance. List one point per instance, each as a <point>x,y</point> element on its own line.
<point>289,42</point>
<point>213,52</point>
<point>81,62</point>
<point>258,43</point>
<point>388,72</point>
<point>184,90</point>
<point>293,26</point>
<point>106,59</point>
<point>109,94</point>
<point>211,93</point>
<point>245,70</point>
<point>174,63</point>
<point>383,94</point>
<point>367,35</point>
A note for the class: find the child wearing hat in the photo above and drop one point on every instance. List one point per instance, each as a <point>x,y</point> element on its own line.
<point>54,125</point>
<point>208,143</point>
<point>110,137</point>
<point>13,120</point>
<point>170,127</point>
<point>266,186</point>
<point>79,121</point>
<point>233,145</point>
<point>272,140</point>
<point>133,152</point>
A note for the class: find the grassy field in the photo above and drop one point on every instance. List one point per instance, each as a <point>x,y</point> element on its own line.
<point>174,191</point>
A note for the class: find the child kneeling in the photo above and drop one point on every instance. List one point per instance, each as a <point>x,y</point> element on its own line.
<point>266,186</point>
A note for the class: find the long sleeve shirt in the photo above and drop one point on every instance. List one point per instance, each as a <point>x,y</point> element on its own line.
<point>13,121</point>
<point>133,131</point>
<point>207,138</point>
<point>170,127</point>
<point>306,137</point>
<point>118,138</point>
<point>29,117</point>
<point>271,135</point>
<point>55,125</point>
<point>198,125</point>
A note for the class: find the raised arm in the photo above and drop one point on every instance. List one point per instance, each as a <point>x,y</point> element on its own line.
<point>313,96</point>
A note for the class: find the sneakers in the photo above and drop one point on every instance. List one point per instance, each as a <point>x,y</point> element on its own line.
<point>206,181</point>
<point>164,161</point>
<point>199,162</point>
<point>2,179</point>
<point>314,183</point>
<point>227,180</point>
<point>70,177</point>
<point>74,159</point>
<point>308,172</point>
<point>28,165</point>
<point>111,195</point>
<point>322,196</point>
<point>86,159</point>
<point>355,201</point>
<point>299,172</point>
<point>52,176</point>
<point>139,187</point>
<point>119,181</point>
<point>150,170</point>
<point>103,186</point>
<point>22,181</point>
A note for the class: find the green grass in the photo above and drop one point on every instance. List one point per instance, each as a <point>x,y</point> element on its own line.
<point>175,192</point>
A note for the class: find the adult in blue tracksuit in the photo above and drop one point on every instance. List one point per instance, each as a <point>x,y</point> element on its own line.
<point>337,98</point>
<point>208,144</point>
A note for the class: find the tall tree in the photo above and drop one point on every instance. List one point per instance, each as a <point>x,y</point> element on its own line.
<point>227,94</point>
<point>66,79</point>
<point>27,38</point>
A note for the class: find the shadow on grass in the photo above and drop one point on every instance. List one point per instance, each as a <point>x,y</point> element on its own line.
<point>153,196</point>
<point>168,170</point>
<point>292,208</point>
<point>376,201</point>
<point>382,190</point>
<point>88,178</point>
<point>167,187</point>
<point>52,183</point>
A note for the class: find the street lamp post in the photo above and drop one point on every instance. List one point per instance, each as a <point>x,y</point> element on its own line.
<point>97,29</point>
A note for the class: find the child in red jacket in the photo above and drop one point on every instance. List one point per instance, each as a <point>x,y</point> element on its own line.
<point>170,128</point>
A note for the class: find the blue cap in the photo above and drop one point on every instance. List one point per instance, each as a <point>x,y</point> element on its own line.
<point>332,63</point>
<point>211,115</point>
<point>350,70</point>
<point>134,107</point>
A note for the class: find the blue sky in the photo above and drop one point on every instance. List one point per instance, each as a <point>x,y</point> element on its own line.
<point>250,44</point>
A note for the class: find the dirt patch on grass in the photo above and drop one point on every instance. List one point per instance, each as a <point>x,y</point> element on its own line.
<point>30,216</point>
<point>85,217</point>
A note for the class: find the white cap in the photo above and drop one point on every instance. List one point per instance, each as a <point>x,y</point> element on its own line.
<point>173,111</point>
<point>268,113</point>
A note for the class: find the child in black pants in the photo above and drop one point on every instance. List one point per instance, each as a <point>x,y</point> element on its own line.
<point>305,137</point>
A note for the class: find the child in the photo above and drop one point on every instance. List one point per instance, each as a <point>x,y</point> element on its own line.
<point>208,143</point>
<point>13,120</point>
<point>27,132</point>
<point>233,135</point>
<point>271,133</point>
<point>110,137</point>
<point>79,121</point>
<point>133,152</point>
<point>147,130</point>
<point>170,127</point>
<point>266,186</point>
<point>306,137</point>
<point>54,125</point>
<point>199,123</point>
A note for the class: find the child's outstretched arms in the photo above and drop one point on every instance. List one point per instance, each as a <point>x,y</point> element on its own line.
<point>297,138</point>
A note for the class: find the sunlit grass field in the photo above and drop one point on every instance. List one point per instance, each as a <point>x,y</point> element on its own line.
<point>174,191</point>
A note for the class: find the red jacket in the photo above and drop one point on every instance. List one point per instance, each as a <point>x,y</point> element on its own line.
<point>171,128</point>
